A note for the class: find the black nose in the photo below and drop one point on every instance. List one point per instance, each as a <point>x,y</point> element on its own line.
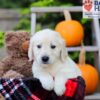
<point>45,59</point>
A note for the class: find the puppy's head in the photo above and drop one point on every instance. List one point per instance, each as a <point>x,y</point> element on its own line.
<point>47,47</point>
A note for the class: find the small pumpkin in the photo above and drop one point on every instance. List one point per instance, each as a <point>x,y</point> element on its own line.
<point>71,31</point>
<point>89,73</point>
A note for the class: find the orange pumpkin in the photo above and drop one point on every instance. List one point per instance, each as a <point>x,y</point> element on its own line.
<point>71,31</point>
<point>89,73</point>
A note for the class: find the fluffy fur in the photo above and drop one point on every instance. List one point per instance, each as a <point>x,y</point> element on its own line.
<point>54,73</point>
<point>16,63</point>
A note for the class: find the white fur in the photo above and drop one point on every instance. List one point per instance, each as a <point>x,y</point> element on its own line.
<point>59,68</point>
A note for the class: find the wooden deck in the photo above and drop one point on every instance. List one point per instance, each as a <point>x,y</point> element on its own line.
<point>95,96</point>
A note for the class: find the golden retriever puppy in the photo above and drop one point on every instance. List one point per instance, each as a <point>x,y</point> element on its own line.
<point>52,65</point>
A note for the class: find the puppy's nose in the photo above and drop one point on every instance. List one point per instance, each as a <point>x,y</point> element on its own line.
<point>45,59</point>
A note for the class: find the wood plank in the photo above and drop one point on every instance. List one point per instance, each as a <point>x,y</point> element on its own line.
<point>9,14</point>
<point>87,48</point>
<point>56,9</point>
<point>97,36</point>
<point>33,23</point>
<point>95,96</point>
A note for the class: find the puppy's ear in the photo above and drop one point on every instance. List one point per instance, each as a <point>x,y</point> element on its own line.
<point>30,50</point>
<point>63,52</point>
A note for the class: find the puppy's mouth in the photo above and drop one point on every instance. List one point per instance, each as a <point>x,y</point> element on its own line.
<point>45,63</point>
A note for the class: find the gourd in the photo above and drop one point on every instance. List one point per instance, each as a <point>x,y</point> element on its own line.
<point>70,30</point>
<point>89,73</point>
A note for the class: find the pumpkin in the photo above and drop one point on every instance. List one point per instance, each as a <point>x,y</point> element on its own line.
<point>25,46</point>
<point>71,31</point>
<point>89,73</point>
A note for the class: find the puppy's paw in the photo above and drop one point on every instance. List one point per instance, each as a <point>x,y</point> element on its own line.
<point>48,84</point>
<point>59,90</point>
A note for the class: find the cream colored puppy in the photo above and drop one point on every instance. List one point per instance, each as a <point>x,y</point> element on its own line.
<point>52,65</point>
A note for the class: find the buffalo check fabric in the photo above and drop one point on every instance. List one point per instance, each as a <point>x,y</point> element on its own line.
<point>31,89</point>
<point>15,89</point>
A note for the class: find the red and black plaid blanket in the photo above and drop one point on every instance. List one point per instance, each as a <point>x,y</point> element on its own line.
<point>15,89</point>
<point>31,89</point>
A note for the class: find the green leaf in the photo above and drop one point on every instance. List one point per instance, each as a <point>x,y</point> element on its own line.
<point>25,11</point>
<point>84,21</point>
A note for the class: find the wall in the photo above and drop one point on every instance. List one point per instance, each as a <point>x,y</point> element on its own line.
<point>8,20</point>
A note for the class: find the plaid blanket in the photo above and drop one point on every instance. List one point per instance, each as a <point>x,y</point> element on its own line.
<point>15,89</point>
<point>31,89</point>
<point>75,90</point>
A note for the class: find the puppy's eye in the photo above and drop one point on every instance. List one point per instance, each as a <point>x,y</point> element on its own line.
<point>39,46</point>
<point>53,46</point>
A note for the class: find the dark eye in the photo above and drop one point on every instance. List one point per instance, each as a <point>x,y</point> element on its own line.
<point>38,46</point>
<point>53,46</point>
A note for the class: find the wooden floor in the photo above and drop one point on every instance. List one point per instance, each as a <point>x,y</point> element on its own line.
<point>95,96</point>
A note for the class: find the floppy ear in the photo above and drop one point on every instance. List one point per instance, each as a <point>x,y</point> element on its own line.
<point>63,52</point>
<point>30,50</point>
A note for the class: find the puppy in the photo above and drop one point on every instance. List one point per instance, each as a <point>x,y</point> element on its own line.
<point>52,65</point>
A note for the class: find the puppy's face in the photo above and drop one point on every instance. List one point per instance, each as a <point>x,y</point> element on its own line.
<point>46,50</point>
<point>46,47</point>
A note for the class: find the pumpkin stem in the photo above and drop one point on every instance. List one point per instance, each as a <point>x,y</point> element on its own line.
<point>67,15</point>
<point>82,54</point>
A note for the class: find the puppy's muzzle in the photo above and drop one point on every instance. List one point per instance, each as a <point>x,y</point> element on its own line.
<point>45,59</point>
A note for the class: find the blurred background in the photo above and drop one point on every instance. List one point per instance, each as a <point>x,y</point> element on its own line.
<point>15,15</point>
